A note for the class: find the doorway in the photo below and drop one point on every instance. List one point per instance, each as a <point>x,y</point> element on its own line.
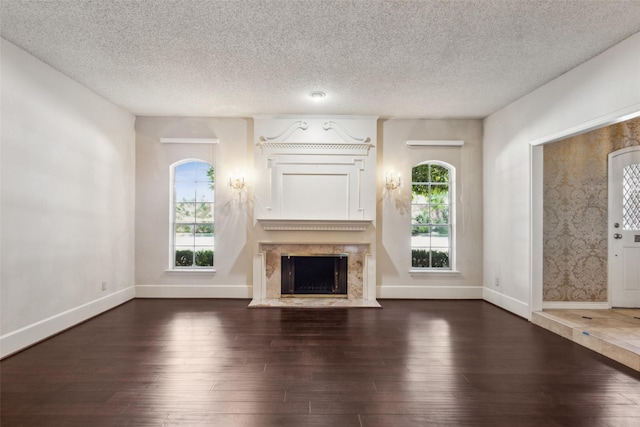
<point>624,227</point>
<point>570,218</point>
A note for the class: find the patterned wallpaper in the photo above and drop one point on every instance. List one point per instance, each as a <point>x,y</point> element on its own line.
<point>575,212</point>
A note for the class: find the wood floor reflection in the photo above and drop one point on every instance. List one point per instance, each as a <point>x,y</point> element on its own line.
<point>216,363</point>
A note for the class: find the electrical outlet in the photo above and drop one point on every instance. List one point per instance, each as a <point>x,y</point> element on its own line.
<point>104,286</point>
<point>496,281</point>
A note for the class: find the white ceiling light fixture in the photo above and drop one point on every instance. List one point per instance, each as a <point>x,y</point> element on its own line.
<point>317,95</point>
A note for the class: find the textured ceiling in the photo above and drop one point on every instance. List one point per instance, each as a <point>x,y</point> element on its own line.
<point>426,58</point>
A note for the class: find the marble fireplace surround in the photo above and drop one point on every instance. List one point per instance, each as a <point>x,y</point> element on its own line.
<point>357,269</point>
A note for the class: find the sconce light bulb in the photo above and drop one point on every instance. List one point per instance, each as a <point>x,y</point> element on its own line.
<point>236,182</point>
<point>392,182</point>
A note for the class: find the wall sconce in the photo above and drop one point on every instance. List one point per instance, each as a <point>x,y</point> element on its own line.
<point>392,181</point>
<point>236,182</point>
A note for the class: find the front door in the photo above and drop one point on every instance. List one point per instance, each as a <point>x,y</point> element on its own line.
<point>624,227</point>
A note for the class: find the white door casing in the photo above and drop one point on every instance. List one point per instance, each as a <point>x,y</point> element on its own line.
<point>624,228</point>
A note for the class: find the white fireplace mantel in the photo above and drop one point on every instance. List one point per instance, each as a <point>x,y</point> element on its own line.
<point>314,225</point>
<point>314,177</point>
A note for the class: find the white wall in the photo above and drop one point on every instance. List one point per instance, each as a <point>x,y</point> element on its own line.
<point>599,92</point>
<point>67,201</point>
<point>233,265</point>
<point>394,208</point>
<point>237,234</point>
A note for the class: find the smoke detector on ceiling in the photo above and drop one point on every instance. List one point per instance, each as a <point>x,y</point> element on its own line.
<point>317,95</point>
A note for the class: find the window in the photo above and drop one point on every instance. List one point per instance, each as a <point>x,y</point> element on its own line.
<point>431,215</point>
<point>631,197</point>
<point>192,215</point>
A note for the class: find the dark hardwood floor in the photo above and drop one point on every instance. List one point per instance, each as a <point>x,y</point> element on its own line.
<point>217,363</point>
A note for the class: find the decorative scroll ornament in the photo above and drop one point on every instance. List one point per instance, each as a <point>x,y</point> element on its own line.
<point>278,144</point>
<point>287,132</point>
<point>342,132</point>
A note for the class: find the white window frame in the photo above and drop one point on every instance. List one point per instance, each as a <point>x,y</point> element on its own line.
<point>172,221</point>
<point>452,221</point>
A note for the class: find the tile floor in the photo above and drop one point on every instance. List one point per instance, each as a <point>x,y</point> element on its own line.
<point>613,333</point>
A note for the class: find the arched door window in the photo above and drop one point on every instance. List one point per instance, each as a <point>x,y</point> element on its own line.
<point>192,215</point>
<point>431,216</point>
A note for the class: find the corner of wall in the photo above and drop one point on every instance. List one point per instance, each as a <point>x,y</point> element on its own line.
<point>519,308</point>
<point>29,335</point>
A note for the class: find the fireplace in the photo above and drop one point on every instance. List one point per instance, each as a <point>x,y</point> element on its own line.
<point>268,270</point>
<point>314,275</point>
<point>314,211</point>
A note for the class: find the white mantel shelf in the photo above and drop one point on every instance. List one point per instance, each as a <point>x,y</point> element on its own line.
<point>314,224</point>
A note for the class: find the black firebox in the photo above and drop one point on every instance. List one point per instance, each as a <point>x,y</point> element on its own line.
<point>314,274</point>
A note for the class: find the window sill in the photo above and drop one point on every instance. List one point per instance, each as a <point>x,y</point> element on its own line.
<point>433,272</point>
<point>191,271</point>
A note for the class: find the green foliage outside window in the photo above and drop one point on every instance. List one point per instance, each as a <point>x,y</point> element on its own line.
<point>211,175</point>
<point>183,228</point>
<point>184,258</point>
<point>422,258</point>
<point>203,258</point>
<point>431,216</point>
<point>204,228</point>
<point>423,175</point>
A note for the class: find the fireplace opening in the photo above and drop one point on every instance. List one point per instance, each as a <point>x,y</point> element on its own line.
<point>314,274</point>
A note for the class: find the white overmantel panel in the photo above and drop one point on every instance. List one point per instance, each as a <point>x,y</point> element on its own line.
<point>315,167</point>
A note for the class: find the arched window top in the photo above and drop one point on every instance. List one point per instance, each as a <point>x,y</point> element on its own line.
<point>432,171</point>
<point>435,162</point>
<point>192,170</point>
<point>193,180</point>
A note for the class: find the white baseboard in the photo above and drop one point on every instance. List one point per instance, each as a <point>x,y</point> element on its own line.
<point>575,305</point>
<point>36,332</point>
<point>429,292</point>
<point>193,291</point>
<point>517,307</point>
